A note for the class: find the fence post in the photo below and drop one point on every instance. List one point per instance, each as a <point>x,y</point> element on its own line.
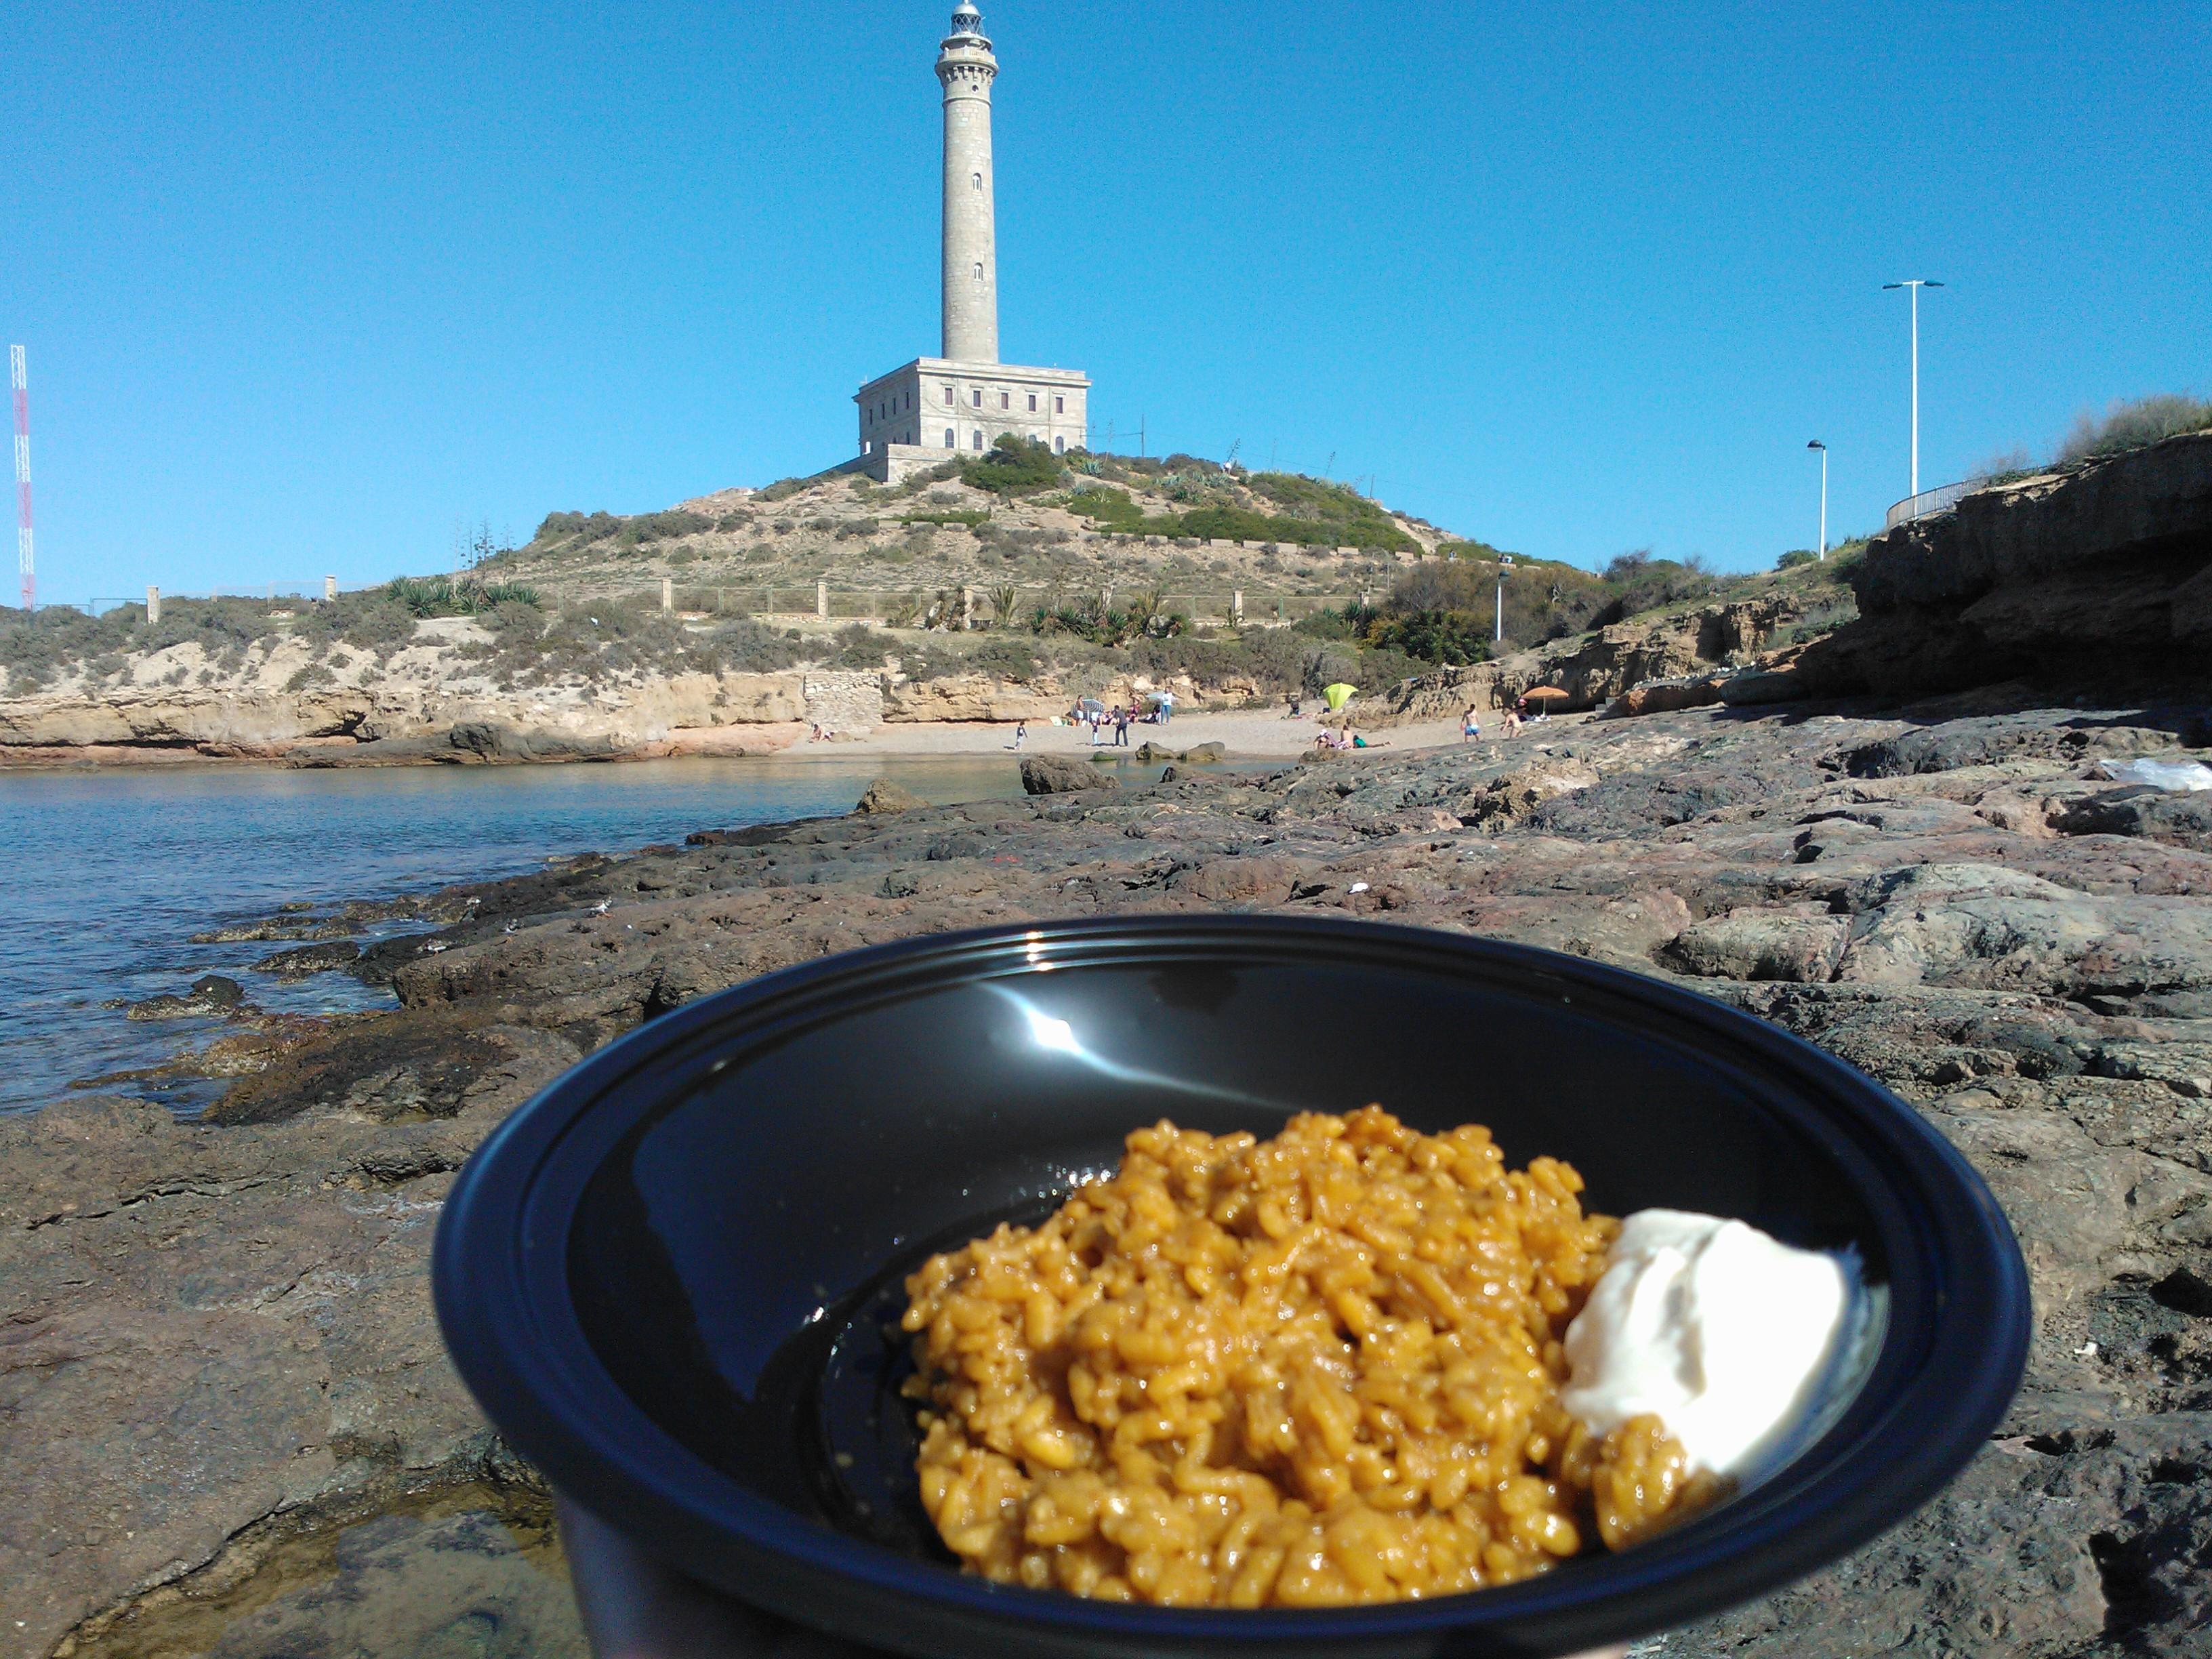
<point>1237,607</point>
<point>967,609</point>
<point>821,601</point>
<point>153,606</point>
<point>330,589</point>
<point>667,595</point>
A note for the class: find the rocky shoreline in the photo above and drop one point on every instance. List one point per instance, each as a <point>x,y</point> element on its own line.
<point>215,1338</point>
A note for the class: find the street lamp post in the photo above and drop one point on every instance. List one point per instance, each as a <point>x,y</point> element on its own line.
<point>1823,448</point>
<point>1915,284</point>
<point>1505,564</point>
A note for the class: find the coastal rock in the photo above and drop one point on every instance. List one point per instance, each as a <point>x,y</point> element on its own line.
<point>1514,795</point>
<point>1605,668</point>
<point>1049,774</point>
<point>220,1333</point>
<point>886,796</point>
<point>308,959</point>
<point>1757,942</point>
<point>2100,576</point>
<point>210,995</point>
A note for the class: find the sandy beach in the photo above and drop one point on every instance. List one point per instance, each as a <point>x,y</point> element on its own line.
<point>1244,734</point>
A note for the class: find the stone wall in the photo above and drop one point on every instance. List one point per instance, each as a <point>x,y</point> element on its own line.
<point>844,700</point>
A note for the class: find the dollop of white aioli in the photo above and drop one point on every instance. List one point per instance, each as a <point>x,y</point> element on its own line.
<point>1718,1329</point>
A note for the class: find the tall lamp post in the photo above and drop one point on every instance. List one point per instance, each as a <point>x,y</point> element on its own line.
<point>1823,448</point>
<point>1505,564</point>
<point>1915,284</point>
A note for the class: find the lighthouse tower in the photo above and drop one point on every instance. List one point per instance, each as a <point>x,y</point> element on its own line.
<point>966,68</point>
<point>936,408</point>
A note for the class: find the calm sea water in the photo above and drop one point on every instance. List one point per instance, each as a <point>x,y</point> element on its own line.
<point>112,873</point>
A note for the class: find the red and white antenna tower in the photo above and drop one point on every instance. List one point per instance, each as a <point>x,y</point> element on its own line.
<point>22,385</point>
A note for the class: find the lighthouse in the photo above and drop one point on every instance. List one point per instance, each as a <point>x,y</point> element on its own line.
<point>936,408</point>
<point>966,68</point>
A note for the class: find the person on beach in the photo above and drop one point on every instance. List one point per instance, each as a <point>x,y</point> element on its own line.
<point>1121,726</point>
<point>1021,732</point>
<point>1470,727</point>
<point>1512,722</point>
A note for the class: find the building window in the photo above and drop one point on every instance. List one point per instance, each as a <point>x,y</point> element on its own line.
<point>1060,405</point>
<point>976,180</point>
<point>979,273</point>
<point>948,437</point>
<point>948,396</point>
<point>1032,403</point>
<point>1006,400</point>
<point>1060,446</point>
<point>978,396</point>
<point>979,438</point>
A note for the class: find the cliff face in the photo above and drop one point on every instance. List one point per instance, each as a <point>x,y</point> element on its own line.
<point>1600,668</point>
<point>2098,577</point>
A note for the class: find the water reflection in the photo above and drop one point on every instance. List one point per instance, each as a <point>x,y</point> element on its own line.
<point>112,873</point>
<point>474,1574</point>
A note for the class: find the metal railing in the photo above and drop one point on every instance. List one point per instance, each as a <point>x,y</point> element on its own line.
<point>1929,501</point>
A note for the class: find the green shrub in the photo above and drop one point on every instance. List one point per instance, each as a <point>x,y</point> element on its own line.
<point>1453,638</point>
<point>1796,557</point>
<point>1350,622</point>
<point>781,490</point>
<point>377,622</point>
<point>2133,425</point>
<point>449,596</point>
<point>1014,466</point>
<point>1005,656</point>
<point>577,527</point>
<point>1107,508</point>
<point>955,517</point>
<point>858,645</point>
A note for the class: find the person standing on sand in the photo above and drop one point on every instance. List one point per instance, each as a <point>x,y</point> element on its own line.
<point>1120,727</point>
<point>1470,727</point>
<point>1021,732</point>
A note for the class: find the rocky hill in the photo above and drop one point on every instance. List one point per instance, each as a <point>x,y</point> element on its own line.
<point>1183,525</point>
<point>738,622</point>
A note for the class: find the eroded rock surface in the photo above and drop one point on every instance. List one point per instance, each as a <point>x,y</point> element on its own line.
<point>221,1332</point>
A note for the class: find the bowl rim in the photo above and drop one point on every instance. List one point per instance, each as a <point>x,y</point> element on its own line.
<point>510,1327</point>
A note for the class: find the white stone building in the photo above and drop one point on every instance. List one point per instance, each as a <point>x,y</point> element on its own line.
<point>935,408</point>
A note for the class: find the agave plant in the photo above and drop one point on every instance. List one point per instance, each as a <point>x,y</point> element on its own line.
<point>1003,598</point>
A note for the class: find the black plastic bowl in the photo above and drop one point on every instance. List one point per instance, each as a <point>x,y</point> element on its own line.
<point>667,1278</point>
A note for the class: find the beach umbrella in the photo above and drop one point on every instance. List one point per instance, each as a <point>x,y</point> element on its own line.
<point>1337,695</point>
<point>1547,694</point>
<point>1090,706</point>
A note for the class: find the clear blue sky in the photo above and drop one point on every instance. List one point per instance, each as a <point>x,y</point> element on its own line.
<point>304,286</point>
